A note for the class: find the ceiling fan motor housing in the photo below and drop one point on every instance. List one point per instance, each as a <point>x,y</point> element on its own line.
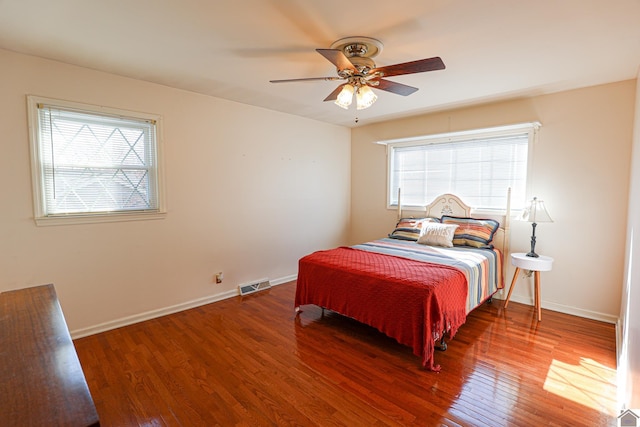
<point>362,65</point>
<point>355,49</point>
<point>359,50</point>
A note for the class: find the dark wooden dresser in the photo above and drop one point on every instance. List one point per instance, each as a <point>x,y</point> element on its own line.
<point>41,380</point>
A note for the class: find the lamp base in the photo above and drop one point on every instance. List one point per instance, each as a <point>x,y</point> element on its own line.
<point>532,253</point>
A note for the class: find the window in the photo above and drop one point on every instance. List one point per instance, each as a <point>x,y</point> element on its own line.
<point>479,166</point>
<point>92,163</point>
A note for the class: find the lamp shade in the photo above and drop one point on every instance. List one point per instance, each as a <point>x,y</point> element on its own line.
<point>536,212</point>
<point>345,97</point>
<point>365,97</point>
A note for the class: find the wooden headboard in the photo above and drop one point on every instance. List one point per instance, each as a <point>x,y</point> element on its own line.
<point>447,204</point>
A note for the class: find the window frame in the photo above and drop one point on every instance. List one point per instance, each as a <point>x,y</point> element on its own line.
<point>531,128</point>
<point>41,217</point>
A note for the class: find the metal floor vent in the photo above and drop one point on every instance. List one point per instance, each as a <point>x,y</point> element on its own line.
<point>249,288</point>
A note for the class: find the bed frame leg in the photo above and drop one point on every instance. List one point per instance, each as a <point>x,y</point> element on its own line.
<point>441,346</point>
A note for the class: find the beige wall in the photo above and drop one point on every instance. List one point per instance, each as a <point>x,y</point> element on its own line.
<point>244,184</point>
<point>581,168</point>
<point>629,327</point>
<point>249,192</point>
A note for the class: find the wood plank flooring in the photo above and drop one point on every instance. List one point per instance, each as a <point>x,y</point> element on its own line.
<point>249,361</point>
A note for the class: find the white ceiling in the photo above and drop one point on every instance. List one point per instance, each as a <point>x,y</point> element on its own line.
<point>493,49</point>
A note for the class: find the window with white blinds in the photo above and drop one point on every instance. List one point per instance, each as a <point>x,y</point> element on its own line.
<point>93,162</point>
<point>478,166</point>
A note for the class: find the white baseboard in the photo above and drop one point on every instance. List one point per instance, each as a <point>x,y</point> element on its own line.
<point>285,279</point>
<point>141,317</point>
<point>148,315</point>
<point>588,314</point>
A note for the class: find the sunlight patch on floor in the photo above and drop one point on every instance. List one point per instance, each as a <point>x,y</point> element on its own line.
<point>589,383</point>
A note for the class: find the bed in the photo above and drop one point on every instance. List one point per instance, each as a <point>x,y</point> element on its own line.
<point>419,283</point>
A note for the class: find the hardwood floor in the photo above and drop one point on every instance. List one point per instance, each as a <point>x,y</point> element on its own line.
<point>249,361</point>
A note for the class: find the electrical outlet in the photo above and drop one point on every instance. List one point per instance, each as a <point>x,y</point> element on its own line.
<point>219,276</point>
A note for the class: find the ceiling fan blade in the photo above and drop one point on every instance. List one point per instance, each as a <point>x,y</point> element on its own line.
<point>306,79</point>
<point>334,95</point>
<point>419,66</point>
<point>337,58</point>
<point>393,87</point>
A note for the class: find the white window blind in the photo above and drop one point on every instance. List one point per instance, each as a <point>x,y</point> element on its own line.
<point>477,166</point>
<point>92,163</point>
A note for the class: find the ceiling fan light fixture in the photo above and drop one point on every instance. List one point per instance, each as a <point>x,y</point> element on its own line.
<point>345,97</point>
<point>365,97</point>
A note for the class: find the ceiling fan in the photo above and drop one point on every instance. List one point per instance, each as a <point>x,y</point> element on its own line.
<point>352,57</point>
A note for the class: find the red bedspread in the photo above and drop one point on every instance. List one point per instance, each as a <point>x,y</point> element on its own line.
<point>411,301</point>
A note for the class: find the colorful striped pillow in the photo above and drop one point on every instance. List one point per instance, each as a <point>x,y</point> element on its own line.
<point>410,228</point>
<point>474,232</point>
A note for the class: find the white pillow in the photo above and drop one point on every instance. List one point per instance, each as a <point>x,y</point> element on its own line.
<point>437,234</point>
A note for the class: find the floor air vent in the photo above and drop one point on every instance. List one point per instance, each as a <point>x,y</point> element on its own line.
<point>249,288</point>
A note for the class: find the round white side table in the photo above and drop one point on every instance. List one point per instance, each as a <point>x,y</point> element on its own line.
<point>523,262</point>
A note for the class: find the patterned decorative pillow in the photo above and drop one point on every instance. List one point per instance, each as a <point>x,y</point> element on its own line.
<point>474,232</point>
<point>436,234</point>
<point>410,228</point>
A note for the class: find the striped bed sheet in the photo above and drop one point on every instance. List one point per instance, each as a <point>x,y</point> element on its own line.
<point>481,267</point>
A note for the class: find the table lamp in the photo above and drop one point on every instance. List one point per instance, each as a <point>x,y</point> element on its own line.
<point>536,212</point>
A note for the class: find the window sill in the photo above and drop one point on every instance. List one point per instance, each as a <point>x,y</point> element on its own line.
<point>97,218</point>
